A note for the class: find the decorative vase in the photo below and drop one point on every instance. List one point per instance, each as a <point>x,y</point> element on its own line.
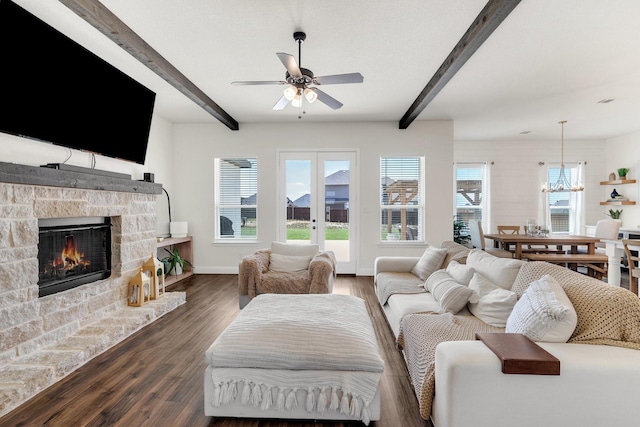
<point>178,228</point>
<point>612,176</point>
<point>178,270</point>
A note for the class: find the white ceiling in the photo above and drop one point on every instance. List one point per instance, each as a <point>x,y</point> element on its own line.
<point>550,60</point>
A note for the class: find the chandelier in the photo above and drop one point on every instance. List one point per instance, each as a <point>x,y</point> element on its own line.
<point>562,184</point>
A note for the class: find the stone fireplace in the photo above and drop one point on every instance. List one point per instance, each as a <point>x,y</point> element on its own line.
<point>72,252</point>
<point>44,337</point>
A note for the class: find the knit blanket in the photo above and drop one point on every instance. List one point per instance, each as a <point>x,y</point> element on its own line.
<point>389,283</point>
<point>607,315</point>
<point>317,336</point>
<point>419,335</point>
<point>255,278</point>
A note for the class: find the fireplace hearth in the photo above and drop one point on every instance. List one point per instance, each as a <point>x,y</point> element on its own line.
<point>72,252</point>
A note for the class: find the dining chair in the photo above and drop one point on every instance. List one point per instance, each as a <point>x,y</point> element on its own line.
<point>605,229</point>
<point>478,241</point>
<point>632,250</point>
<point>508,229</point>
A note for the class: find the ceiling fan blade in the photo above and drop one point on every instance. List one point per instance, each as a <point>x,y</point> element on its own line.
<point>337,79</point>
<point>282,102</point>
<point>289,62</point>
<point>326,99</point>
<point>258,82</point>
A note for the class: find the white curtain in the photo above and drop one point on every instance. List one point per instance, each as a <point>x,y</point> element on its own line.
<point>544,215</point>
<point>486,198</point>
<point>578,223</point>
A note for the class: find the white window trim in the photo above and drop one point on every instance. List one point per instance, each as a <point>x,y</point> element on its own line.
<point>217,206</point>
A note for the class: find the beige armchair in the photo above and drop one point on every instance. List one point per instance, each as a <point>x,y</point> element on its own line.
<point>286,269</point>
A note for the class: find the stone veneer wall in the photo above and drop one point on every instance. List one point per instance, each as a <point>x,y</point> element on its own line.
<point>28,324</point>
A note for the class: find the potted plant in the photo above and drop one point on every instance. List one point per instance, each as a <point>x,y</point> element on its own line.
<point>460,232</point>
<point>614,213</point>
<point>622,173</point>
<point>175,262</point>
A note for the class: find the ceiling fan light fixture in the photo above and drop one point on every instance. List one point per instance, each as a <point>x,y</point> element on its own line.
<point>310,95</point>
<point>297,100</point>
<point>290,92</point>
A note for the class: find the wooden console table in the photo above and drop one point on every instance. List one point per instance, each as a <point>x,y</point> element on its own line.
<point>186,251</point>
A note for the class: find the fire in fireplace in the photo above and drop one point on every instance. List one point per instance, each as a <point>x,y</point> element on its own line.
<point>72,252</point>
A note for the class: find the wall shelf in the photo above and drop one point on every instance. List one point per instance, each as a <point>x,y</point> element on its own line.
<point>625,202</point>
<point>186,251</point>
<point>618,182</point>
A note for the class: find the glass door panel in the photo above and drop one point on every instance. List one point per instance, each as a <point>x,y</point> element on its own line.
<point>319,196</point>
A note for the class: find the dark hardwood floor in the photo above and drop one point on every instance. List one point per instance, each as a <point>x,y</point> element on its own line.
<point>155,377</point>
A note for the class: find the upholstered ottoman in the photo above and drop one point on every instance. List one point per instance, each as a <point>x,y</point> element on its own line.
<point>296,356</point>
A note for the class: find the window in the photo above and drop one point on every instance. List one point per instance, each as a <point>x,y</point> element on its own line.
<point>470,191</point>
<point>236,201</point>
<point>401,198</point>
<point>561,205</point>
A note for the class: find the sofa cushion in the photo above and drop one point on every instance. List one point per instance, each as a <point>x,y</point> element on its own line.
<point>543,313</point>
<point>403,304</point>
<point>500,271</point>
<point>461,273</point>
<point>494,304</point>
<point>288,263</point>
<point>455,251</point>
<point>430,261</point>
<point>294,249</point>
<point>451,295</point>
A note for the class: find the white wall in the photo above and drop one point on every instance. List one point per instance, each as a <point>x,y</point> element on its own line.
<point>624,152</point>
<point>25,151</point>
<point>198,145</point>
<point>181,157</point>
<point>515,183</point>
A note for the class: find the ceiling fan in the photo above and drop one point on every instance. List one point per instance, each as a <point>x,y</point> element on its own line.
<point>301,83</point>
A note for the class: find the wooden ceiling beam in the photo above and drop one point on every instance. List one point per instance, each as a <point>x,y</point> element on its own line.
<point>96,14</point>
<point>483,25</point>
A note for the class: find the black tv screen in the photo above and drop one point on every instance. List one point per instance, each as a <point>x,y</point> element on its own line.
<point>54,90</point>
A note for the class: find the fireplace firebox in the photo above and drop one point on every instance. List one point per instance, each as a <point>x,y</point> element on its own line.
<point>72,252</point>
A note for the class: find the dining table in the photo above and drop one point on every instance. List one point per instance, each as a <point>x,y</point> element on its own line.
<point>515,242</point>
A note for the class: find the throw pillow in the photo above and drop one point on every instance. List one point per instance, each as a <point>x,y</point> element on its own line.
<point>288,263</point>
<point>294,249</point>
<point>500,271</point>
<point>430,261</point>
<point>454,251</point>
<point>451,295</point>
<point>494,304</point>
<point>461,273</point>
<point>544,312</point>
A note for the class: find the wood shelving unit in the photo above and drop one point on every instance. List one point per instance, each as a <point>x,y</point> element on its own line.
<point>186,251</point>
<point>618,182</point>
<point>620,203</point>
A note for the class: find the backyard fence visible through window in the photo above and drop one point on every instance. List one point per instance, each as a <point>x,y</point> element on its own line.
<point>236,198</point>
<point>401,198</point>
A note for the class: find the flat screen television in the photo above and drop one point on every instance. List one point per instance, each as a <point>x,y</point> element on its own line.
<point>54,90</point>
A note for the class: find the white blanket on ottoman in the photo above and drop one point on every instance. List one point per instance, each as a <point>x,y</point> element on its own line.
<point>324,344</point>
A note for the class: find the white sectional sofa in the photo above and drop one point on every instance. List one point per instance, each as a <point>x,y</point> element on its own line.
<point>458,380</point>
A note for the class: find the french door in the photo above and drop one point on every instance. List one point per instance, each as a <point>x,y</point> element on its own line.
<point>317,190</point>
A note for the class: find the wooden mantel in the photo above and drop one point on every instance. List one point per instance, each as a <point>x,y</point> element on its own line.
<point>36,175</point>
